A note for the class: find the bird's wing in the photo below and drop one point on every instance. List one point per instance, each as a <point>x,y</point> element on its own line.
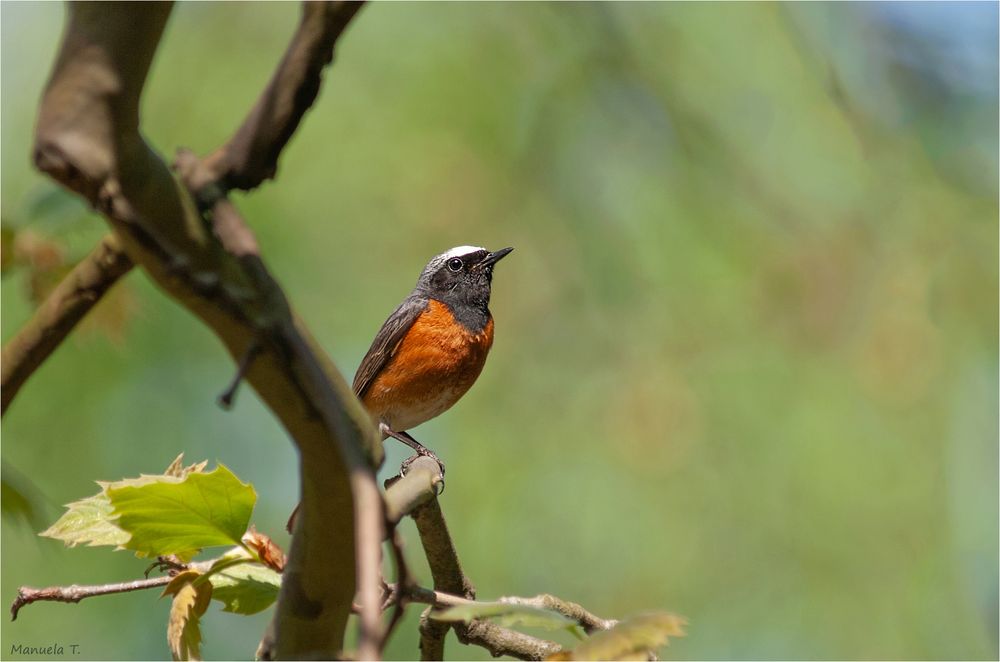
<point>386,342</point>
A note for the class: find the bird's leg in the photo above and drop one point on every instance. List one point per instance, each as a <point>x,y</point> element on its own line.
<point>412,443</point>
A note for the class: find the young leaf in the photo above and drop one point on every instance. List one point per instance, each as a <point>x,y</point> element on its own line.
<point>246,588</point>
<point>191,599</point>
<point>92,520</point>
<point>89,521</point>
<point>632,637</point>
<point>266,549</point>
<point>171,516</point>
<point>507,615</point>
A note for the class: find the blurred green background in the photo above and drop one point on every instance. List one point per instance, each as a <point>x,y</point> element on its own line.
<point>746,356</point>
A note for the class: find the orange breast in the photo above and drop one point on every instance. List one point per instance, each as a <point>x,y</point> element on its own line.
<point>434,365</point>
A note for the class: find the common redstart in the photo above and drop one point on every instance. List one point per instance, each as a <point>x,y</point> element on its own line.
<point>433,346</point>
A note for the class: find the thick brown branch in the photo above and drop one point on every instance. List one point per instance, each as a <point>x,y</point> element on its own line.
<point>251,155</point>
<point>67,304</point>
<point>88,139</point>
<point>27,595</point>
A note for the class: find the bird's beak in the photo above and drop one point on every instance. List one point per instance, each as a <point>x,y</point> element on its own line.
<point>493,258</point>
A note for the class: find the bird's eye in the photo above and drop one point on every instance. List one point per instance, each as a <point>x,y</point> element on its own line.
<point>455,264</point>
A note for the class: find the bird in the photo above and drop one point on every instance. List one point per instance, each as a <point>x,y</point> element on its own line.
<point>433,346</point>
<point>431,349</point>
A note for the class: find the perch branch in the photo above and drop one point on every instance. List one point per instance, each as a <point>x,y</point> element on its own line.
<point>446,569</point>
<point>417,496</point>
<point>27,595</point>
<point>404,494</point>
<point>88,139</point>
<point>65,306</point>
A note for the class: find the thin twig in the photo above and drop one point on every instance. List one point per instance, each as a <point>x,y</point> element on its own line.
<point>65,306</point>
<point>252,350</point>
<point>439,599</point>
<point>27,595</point>
<point>587,621</point>
<point>398,596</point>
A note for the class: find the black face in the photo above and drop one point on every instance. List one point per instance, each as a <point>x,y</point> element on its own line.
<point>461,280</point>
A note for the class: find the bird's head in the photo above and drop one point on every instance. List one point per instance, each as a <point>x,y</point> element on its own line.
<point>461,276</point>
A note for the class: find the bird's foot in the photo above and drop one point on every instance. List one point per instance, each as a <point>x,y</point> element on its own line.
<point>421,452</point>
<point>405,466</point>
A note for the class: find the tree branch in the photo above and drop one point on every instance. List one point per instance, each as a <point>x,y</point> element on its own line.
<point>494,638</point>
<point>432,635</point>
<point>251,155</point>
<point>65,306</point>
<point>446,569</point>
<point>504,641</point>
<point>396,598</point>
<point>27,595</point>
<point>88,138</point>
<point>587,621</point>
<point>417,496</point>
<point>405,493</point>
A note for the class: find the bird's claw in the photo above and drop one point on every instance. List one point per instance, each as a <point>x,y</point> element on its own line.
<point>405,466</point>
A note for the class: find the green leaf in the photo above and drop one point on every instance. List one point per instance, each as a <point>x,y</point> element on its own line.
<point>92,520</point>
<point>88,521</point>
<point>245,589</point>
<point>634,635</point>
<point>170,515</point>
<point>507,615</point>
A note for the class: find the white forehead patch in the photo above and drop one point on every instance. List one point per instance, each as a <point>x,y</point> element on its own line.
<point>438,260</point>
<point>461,250</point>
